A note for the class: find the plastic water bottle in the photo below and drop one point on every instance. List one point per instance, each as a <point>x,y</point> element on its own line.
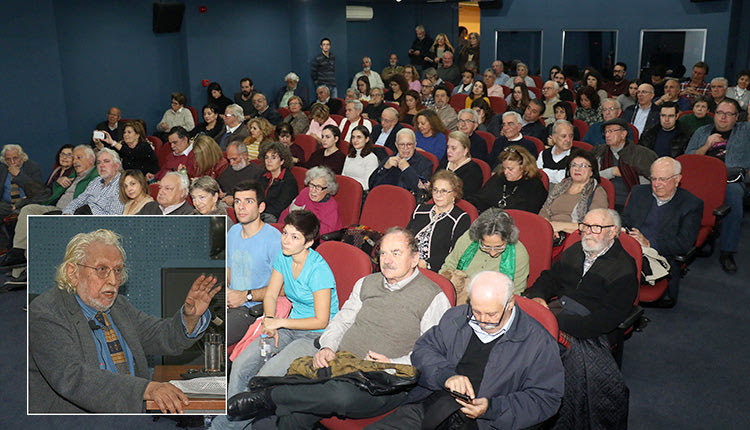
<point>266,347</point>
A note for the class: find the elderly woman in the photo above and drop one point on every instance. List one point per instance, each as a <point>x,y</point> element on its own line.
<point>740,91</point>
<point>493,89</point>
<point>478,91</point>
<point>438,225</point>
<point>176,115</point>
<point>308,283</point>
<point>209,159</point>
<point>458,160</point>
<point>213,125</point>
<point>412,78</point>
<point>217,98</point>
<point>516,185</point>
<point>699,117</point>
<point>518,99</point>
<point>134,150</point>
<point>574,196</point>
<point>430,132</point>
<point>563,111</point>
<point>299,121</point>
<point>204,192</point>
<point>361,161</point>
<point>589,109</point>
<point>317,197</point>
<point>328,154</point>
<point>63,164</point>
<point>134,191</point>
<point>375,107</point>
<point>522,71</point>
<point>398,85</point>
<point>485,112</point>
<point>285,134</point>
<point>278,180</point>
<point>260,132</point>
<point>320,115</point>
<point>410,107</point>
<point>496,236</point>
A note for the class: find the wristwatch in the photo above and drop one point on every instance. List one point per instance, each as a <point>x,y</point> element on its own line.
<point>250,295</point>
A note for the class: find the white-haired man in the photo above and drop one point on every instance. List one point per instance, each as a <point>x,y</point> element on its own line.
<point>172,197</point>
<point>292,88</point>
<point>407,169</point>
<point>19,178</point>
<point>102,195</point>
<point>374,77</point>
<point>241,169</point>
<point>352,119</point>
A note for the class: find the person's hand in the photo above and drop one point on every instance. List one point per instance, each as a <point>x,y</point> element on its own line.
<point>476,408</point>
<point>163,126</point>
<point>322,357</point>
<point>149,176</point>
<point>198,298</point>
<point>403,164</point>
<point>391,162</point>
<point>365,116</point>
<point>64,181</point>
<point>273,323</point>
<point>411,52</point>
<point>108,139</point>
<point>229,200</point>
<point>422,264</point>
<point>541,301</point>
<point>713,139</point>
<point>374,356</point>
<point>460,384</point>
<point>417,52</point>
<point>236,298</point>
<point>616,171</point>
<point>638,236</point>
<point>271,332</point>
<point>167,397</point>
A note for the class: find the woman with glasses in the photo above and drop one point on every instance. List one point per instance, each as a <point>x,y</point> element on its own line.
<point>278,180</point>
<point>438,225</point>
<point>317,197</point>
<point>299,121</point>
<point>491,243</point>
<point>63,165</point>
<point>517,184</point>
<point>134,150</point>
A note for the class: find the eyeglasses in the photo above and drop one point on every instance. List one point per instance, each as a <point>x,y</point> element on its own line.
<point>405,145</point>
<point>579,166</point>
<point>466,121</point>
<point>655,179</point>
<point>440,192</point>
<point>488,248</point>
<point>103,271</point>
<point>66,155</point>
<point>486,325</point>
<point>594,228</point>
<point>316,187</point>
<point>726,114</point>
<point>614,131</point>
<point>612,108</point>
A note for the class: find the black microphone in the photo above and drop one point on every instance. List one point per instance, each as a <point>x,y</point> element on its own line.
<point>94,326</point>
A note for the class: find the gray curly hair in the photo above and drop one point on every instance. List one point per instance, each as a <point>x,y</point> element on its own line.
<point>491,222</point>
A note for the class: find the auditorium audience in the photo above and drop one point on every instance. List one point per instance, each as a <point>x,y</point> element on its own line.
<point>644,113</point>
<point>478,91</point>
<point>458,160</point>
<point>240,169</point>
<point>409,108</point>
<point>392,68</point>
<point>466,84</point>
<point>512,124</point>
<point>562,111</point>
<point>260,103</point>
<point>176,116</point>
<point>699,117</point>
<point>352,119</point>
<point>299,121</point>
<point>235,128</point>
<point>112,124</point>
<point>204,192</point>
<point>63,165</point>
<point>630,97</point>
<point>320,119</point>
<point>363,87</point>
<point>412,78</point>
<point>212,125</point>
<point>407,169</point>
<point>430,132</point>
<point>134,150</point>
<point>554,160</point>
<point>244,99</point>
<point>284,133</point>
<point>485,113</point>
<point>292,89</point>
<point>398,86</point>
<point>589,109</point>
<point>375,106</point>
<point>740,92</point>
<point>518,99</point>
<point>172,197</point>
<point>260,132</point>
<point>468,122</point>
<point>209,159</point>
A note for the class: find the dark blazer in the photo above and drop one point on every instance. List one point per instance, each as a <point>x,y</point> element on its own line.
<point>444,234</point>
<point>391,141</point>
<point>272,115</point>
<point>225,139</point>
<point>419,165</point>
<point>677,145</point>
<point>679,226</point>
<point>653,115</point>
<point>152,208</point>
<point>281,193</point>
<point>300,92</point>
<point>64,373</point>
<point>334,106</point>
<point>29,178</point>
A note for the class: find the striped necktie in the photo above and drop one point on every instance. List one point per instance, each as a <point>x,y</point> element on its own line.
<point>113,344</point>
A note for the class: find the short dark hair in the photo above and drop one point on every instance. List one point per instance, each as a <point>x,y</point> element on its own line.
<point>538,103</point>
<point>181,99</point>
<point>732,102</point>
<point>562,73</point>
<point>567,107</point>
<point>621,64</point>
<point>589,157</point>
<point>180,130</point>
<point>441,88</point>
<point>743,73</point>
<point>251,185</point>
<point>590,93</point>
<point>284,127</point>
<point>59,151</point>
<point>671,105</point>
<point>702,64</point>
<point>304,221</point>
<point>246,80</point>
<point>324,39</point>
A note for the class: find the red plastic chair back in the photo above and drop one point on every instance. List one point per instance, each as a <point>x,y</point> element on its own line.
<point>194,113</point>
<point>344,146</point>
<point>407,125</point>
<point>610,189</point>
<point>486,171</point>
<point>278,226</point>
<point>458,102</point>
<point>299,174</point>
<point>544,178</point>
<point>394,105</point>
<point>285,112</point>
<point>539,313</point>
<point>349,199</point>
<point>469,209</point>
<point>537,92</point>
<point>506,90</point>
<point>156,142</point>
<point>450,86</point>
<point>343,106</point>
<point>574,106</point>
<point>537,81</point>
<point>444,284</point>
<point>536,235</point>
<point>387,206</point>
<point>705,177</point>
<point>498,104</point>
<point>231,214</point>
<point>348,264</point>
<point>307,143</point>
<point>336,117</point>
<point>635,133</point>
<point>581,126</point>
<point>583,145</point>
<point>538,143</point>
<point>488,137</point>
<point>153,190</point>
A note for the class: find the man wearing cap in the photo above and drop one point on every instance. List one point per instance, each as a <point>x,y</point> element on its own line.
<point>621,161</point>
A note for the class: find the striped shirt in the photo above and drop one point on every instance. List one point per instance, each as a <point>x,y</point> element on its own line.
<point>102,199</point>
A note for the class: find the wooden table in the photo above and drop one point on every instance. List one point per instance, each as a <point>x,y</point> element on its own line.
<point>216,405</point>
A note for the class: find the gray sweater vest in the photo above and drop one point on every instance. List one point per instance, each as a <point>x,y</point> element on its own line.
<point>389,321</point>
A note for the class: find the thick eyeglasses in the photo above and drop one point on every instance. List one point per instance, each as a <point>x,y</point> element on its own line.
<point>492,248</point>
<point>658,179</point>
<point>486,325</point>
<point>594,228</point>
<point>579,166</point>
<point>317,187</point>
<point>725,114</point>
<point>440,192</point>
<point>103,271</point>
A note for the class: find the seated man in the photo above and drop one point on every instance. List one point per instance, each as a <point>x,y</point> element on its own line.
<point>554,161</point>
<point>372,76</point>
<point>468,121</point>
<point>669,138</point>
<point>448,71</point>
<point>64,190</point>
<point>324,97</point>
<point>719,87</point>
<point>664,217</point>
<point>112,125</point>
<point>644,113</point>
<point>383,317</point>
<point>511,135</point>
<point>252,246</point>
<point>241,169</point>
<point>176,116</point>
<point>235,129</point>
<point>376,106</point>
<point>595,284</point>
<point>696,86</point>
<point>244,99</point>
<point>432,75</point>
<point>727,140</point>
<point>352,119</point>
<point>618,85</point>
<point>672,94</point>
<point>407,169</point>
<point>384,134</point>
<point>425,93</point>
<point>264,111</point>
<point>182,155</point>
<point>610,110</point>
<point>19,178</point>
<point>392,69</point>
<point>533,124</point>
<point>621,161</point>
<point>292,88</point>
<point>102,195</point>
<point>443,108</point>
<point>549,91</point>
<point>565,93</point>
<point>172,197</point>
<point>502,359</point>
<point>501,78</point>
<point>87,345</point>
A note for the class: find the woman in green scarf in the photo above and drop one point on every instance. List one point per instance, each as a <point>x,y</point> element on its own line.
<point>490,244</point>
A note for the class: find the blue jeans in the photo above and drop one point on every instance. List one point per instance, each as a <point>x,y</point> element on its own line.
<point>334,91</point>
<point>731,225</point>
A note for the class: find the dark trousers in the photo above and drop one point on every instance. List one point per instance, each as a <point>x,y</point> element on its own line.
<point>301,406</point>
<point>238,321</point>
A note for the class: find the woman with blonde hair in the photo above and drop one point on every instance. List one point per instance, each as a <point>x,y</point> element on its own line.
<point>412,78</point>
<point>209,159</point>
<point>321,117</point>
<point>439,47</point>
<point>134,191</point>
<point>260,132</point>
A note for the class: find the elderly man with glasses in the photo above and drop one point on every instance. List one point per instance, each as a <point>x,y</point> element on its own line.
<point>727,139</point>
<point>591,290</point>
<point>407,169</point>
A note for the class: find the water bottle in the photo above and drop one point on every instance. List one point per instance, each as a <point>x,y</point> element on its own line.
<point>266,347</point>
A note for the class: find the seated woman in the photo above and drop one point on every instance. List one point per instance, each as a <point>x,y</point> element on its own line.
<point>458,160</point>
<point>484,110</point>
<point>699,117</point>
<point>204,192</point>
<point>63,165</point>
<point>518,99</point>
<point>134,191</point>
<point>412,77</point>
<point>135,150</point>
<point>595,81</point>
<point>260,132</point>
<point>361,160</point>
<point>631,97</point>
<point>430,132</point>
<point>740,92</point>
<point>209,159</point>
<point>574,196</point>
<point>317,197</point>
<point>299,121</point>
<point>588,110</point>
<point>320,119</point>
<point>363,86</point>
<point>308,283</point>
<point>438,225</point>
<point>517,184</point>
<point>176,115</point>
<point>213,125</point>
<point>563,110</point>
<point>217,98</point>
<point>285,134</point>
<point>496,236</point>
<point>398,86</point>
<point>328,154</point>
<point>478,91</point>
<point>409,108</point>
<point>278,180</point>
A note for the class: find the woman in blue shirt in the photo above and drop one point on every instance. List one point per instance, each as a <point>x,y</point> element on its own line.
<point>430,132</point>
